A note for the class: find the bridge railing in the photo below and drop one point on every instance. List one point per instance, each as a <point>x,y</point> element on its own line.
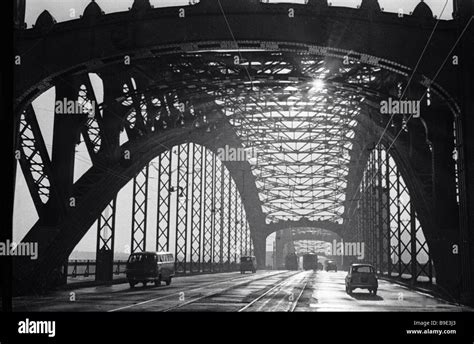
<point>87,268</point>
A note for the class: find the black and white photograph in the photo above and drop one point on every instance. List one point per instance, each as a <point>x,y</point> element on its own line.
<point>240,156</point>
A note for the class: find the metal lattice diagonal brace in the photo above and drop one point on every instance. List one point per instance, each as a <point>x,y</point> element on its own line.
<point>225,220</point>
<point>396,233</point>
<point>209,210</point>
<point>164,201</point>
<point>196,211</point>
<point>139,211</point>
<point>182,202</point>
<point>34,159</point>
<point>92,129</point>
<point>217,242</point>
<point>105,242</point>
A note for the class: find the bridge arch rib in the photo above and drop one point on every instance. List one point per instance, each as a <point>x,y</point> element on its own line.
<point>96,189</point>
<point>255,26</point>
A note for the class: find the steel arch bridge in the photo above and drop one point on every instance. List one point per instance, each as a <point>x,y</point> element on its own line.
<point>296,87</point>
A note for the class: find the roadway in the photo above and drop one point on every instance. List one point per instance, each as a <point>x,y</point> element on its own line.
<point>267,291</point>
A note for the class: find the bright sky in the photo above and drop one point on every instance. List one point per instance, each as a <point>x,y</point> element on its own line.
<point>61,9</point>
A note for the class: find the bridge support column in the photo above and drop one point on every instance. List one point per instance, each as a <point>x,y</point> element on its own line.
<point>445,206</point>
<point>182,182</point>
<point>139,211</point>
<point>218,210</point>
<point>105,243</point>
<point>164,202</point>
<point>196,210</point>
<point>209,209</point>
<point>225,222</point>
<point>230,224</point>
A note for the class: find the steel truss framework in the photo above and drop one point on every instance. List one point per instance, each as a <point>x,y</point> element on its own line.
<point>139,211</point>
<point>207,226</point>
<point>387,224</point>
<point>106,242</point>
<point>299,131</point>
<point>297,115</point>
<point>164,201</point>
<point>106,228</point>
<point>211,231</point>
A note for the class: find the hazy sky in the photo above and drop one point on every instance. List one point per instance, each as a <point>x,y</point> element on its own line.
<point>61,9</point>
<point>25,215</point>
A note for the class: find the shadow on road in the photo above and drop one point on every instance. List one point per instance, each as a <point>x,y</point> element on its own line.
<point>366,297</point>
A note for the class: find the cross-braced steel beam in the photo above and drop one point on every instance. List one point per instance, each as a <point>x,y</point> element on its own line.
<point>387,222</point>
<point>105,242</point>
<point>182,203</point>
<point>164,201</point>
<point>209,209</point>
<point>218,240</point>
<point>34,159</point>
<point>197,206</point>
<point>140,211</point>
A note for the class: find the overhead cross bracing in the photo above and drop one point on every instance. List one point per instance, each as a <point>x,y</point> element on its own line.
<point>297,116</point>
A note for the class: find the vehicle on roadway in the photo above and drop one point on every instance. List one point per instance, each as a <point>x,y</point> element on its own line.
<point>248,263</point>
<point>310,262</point>
<point>331,265</point>
<point>147,267</point>
<point>361,276</point>
<point>291,261</point>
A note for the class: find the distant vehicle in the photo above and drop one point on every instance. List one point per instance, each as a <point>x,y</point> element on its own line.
<point>331,265</point>
<point>248,263</point>
<point>150,267</point>
<point>291,261</point>
<point>361,276</point>
<point>310,262</point>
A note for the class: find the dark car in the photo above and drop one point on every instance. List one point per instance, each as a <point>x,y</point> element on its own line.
<point>150,267</point>
<point>361,276</point>
<point>248,263</point>
<point>331,265</point>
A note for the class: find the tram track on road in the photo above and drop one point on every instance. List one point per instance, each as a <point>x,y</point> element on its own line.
<point>297,300</point>
<point>287,280</point>
<point>191,290</point>
<point>275,289</point>
<point>223,291</point>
